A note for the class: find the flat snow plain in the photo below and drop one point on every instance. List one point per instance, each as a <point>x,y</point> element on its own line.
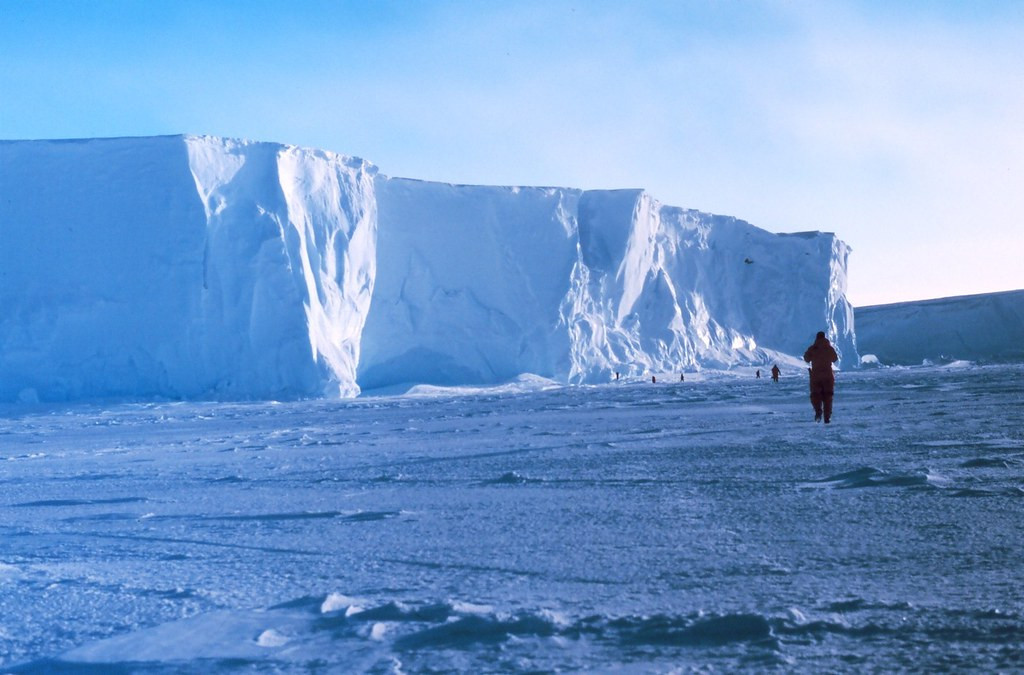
<point>708,524</point>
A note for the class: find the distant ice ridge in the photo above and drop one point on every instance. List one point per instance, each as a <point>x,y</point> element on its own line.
<point>987,327</point>
<point>201,267</point>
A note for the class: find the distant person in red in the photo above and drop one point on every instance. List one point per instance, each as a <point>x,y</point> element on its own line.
<point>775,372</point>
<point>821,356</point>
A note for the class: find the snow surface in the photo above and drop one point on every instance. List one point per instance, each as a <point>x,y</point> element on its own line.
<point>986,328</point>
<point>705,526</point>
<point>205,268</point>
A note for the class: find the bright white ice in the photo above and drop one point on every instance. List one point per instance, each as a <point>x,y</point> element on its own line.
<point>702,524</point>
<point>201,268</point>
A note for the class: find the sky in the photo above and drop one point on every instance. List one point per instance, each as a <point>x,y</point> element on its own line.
<point>898,126</point>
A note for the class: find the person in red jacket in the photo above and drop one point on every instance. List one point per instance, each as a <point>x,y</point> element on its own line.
<point>821,356</point>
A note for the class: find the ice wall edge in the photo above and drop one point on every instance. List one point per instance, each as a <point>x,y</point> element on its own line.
<point>198,267</point>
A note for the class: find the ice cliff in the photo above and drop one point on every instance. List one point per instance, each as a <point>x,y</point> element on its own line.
<point>192,267</point>
<point>181,267</point>
<point>988,327</point>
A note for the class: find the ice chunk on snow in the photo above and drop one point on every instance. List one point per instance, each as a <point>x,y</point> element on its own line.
<point>471,608</point>
<point>336,602</point>
<point>271,638</point>
<point>379,631</point>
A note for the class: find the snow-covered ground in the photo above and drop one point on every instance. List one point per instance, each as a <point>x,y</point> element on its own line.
<point>629,526</point>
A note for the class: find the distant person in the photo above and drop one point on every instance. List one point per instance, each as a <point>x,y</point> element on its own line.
<point>821,356</point>
<point>775,372</point>
<point>757,374</point>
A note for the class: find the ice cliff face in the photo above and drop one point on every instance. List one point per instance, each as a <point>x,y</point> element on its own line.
<point>988,328</point>
<point>189,267</point>
<point>478,284</point>
<point>181,267</point>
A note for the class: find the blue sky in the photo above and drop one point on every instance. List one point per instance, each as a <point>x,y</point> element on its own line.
<point>899,126</point>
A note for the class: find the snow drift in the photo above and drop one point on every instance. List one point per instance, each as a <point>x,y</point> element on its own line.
<point>192,267</point>
<point>987,327</point>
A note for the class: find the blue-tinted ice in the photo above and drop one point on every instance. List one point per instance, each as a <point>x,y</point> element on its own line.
<point>629,526</point>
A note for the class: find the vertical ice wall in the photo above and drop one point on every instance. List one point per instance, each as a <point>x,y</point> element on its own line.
<point>288,268</point>
<point>190,267</point>
<point>181,267</point>
<point>469,283</point>
<point>477,284</point>
<point>677,288</point>
<point>747,292</point>
<point>100,246</point>
<point>988,328</point>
